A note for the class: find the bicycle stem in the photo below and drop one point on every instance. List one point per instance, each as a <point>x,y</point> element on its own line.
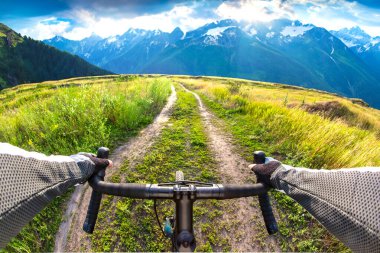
<point>184,233</point>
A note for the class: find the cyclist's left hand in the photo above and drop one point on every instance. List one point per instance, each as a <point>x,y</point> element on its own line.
<point>100,163</point>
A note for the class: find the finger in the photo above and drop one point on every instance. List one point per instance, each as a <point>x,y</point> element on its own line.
<point>269,159</point>
<point>110,165</point>
<point>251,166</point>
<point>103,162</point>
<point>100,162</point>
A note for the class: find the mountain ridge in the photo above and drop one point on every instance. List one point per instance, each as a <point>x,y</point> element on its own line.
<point>363,45</point>
<point>285,51</point>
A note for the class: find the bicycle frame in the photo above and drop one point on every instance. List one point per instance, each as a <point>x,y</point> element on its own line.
<point>183,193</point>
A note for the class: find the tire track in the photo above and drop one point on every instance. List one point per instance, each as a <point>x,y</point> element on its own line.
<point>70,236</point>
<point>245,233</point>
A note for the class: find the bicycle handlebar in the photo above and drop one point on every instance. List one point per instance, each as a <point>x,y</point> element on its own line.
<point>156,191</point>
<point>264,201</point>
<point>164,191</point>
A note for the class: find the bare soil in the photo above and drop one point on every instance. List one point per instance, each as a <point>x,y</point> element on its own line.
<point>243,216</point>
<point>70,236</point>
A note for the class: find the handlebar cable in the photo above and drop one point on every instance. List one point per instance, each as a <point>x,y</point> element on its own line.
<point>175,249</point>
<point>158,220</point>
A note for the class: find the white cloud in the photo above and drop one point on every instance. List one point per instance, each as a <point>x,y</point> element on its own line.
<point>372,30</point>
<point>331,14</point>
<point>258,10</point>
<point>338,14</point>
<point>46,28</point>
<point>181,16</point>
<point>77,33</point>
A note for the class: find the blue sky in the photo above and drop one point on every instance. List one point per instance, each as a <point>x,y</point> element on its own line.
<point>76,19</point>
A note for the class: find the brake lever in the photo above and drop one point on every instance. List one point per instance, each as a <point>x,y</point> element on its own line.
<point>96,197</point>
<point>264,201</point>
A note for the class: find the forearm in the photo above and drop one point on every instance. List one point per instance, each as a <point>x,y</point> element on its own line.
<point>29,181</point>
<point>346,202</point>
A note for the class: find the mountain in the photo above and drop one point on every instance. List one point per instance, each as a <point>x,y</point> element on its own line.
<point>352,37</point>
<point>365,46</point>
<point>282,51</point>
<point>24,60</point>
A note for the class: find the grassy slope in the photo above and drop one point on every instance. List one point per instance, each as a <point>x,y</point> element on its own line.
<point>78,115</point>
<point>257,115</point>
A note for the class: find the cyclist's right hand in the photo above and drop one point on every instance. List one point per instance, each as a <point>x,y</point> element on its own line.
<point>264,171</point>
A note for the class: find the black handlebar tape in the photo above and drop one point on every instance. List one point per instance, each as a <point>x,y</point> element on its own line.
<point>92,212</point>
<point>239,191</point>
<point>264,201</point>
<point>96,197</point>
<point>129,190</point>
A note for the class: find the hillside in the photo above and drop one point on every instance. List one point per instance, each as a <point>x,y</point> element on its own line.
<point>24,60</point>
<point>283,51</point>
<point>201,122</point>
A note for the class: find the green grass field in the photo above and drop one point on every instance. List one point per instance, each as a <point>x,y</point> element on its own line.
<point>71,116</point>
<point>258,116</point>
<point>299,127</point>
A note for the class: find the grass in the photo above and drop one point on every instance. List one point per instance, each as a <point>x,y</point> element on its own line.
<point>70,118</point>
<point>302,138</point>
<point>259,120</point>
<point>290,96</point>
<point>81,114</point>
<point>181,146</point>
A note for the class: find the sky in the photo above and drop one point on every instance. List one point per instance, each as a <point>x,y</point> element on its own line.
<point>77,19</point>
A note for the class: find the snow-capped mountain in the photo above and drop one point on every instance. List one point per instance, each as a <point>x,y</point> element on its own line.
<point>352,37</point>
<point>365,46</point>
<point>282,51</point>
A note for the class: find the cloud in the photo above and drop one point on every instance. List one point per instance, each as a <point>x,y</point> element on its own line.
<point>260,10</point>
<point>123,8</point>
<point>87,23</point>
<point>338,14</point>
<point>330,14</point>
<point>47,28</point>
<point>114,17</point>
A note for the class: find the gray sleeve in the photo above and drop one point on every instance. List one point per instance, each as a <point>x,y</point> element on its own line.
<point>346,201</point>
<point>29,181</point>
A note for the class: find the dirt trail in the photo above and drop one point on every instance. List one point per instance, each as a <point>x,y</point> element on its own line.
<point>244,234</point>
<point>70,236</point>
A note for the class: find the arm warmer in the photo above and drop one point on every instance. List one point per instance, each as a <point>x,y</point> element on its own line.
<point>30,180</point>
<point>346,201</point>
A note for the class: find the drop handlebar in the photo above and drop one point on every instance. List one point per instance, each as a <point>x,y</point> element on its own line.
<point>181,192</point>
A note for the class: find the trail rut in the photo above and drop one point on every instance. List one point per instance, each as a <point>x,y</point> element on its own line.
<point>70,236</point>
<point>244,214</point>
